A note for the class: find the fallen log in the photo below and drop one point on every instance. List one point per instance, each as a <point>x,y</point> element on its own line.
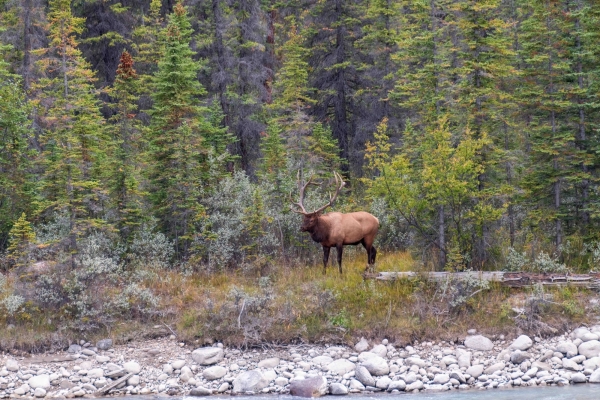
<point>510,279</point>
<point>104,390</point>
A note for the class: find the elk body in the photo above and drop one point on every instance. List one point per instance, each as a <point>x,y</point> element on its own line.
<point>338,229</point>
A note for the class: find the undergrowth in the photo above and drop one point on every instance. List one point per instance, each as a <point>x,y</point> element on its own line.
<point>284,304</point>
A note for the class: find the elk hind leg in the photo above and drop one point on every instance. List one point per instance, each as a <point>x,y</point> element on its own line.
<point>371,254</point>
<point>339,249</point>
<point>325,258</point>
<point>372,257</point>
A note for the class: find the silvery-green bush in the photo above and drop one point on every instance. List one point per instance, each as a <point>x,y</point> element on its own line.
<point>150,249</point>
<point>223,239</point>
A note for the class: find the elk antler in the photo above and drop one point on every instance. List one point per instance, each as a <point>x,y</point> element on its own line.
<point>302,188</point>
<point>339,184</point>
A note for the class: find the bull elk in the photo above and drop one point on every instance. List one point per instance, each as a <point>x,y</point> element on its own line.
<point>337,229</point>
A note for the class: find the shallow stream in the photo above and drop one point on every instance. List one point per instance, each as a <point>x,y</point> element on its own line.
<point>572,392</point>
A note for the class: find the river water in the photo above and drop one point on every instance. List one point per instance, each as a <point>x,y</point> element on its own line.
<point>572,392</point>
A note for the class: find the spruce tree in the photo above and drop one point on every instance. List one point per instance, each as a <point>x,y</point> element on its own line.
<point>177,138</point>
<point>74,138</point>
<point>16,180</point>
<point>127,145</point>
<point>21,238</point>
<point>550,136</point>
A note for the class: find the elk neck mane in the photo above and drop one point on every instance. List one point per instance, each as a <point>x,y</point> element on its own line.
<point>319,232</point>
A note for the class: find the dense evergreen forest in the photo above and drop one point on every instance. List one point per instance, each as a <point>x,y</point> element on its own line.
<point>165,132</point>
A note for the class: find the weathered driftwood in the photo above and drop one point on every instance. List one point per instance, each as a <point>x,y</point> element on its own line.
<point>112,385</point>
<point>511,279</point>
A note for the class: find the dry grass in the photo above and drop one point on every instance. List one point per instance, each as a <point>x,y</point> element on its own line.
<point>299,304</point>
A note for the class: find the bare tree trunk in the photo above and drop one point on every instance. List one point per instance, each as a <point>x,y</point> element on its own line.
<point>442,236</point>
<point>585,184</point>
<point>270,64</point>
<point>508,169</point>
<point>340,128</point>
<point>27,45</point>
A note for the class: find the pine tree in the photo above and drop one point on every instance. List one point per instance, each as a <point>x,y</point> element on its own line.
<point>552,158</point>
<point>148,43</point>
<point>273,166</point>
<point>74,139</point>
<point>255,221</point>
<point>178,131</point>
<point>323,151</point>
<point>21,237</point>
<point>123,174</point>
<point>16,183</point>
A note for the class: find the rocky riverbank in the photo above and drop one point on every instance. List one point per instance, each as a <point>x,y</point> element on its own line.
<point>169,367</point>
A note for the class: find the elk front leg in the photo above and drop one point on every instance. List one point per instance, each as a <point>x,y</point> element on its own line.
<point>325,258</point>
<point>339,249</point>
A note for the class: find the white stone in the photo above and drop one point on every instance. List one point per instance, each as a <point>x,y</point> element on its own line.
<point>134,380</point>
<point>362,345</point>
<point>341,366</point>
<point>578,378</point>
<point>579,332</point>
<point>270,375</point>
<point>364,376</point>
<point>441,379</point>
<point>132,367</point>
<point>214,372</point>
<point>269,363</point>
<point>522,343</point>
<point>207,355</point>
<point>595,376</point>
<point>354,384</point>
<point>383,383</point>
<point>366,355</point>
<point>592,363</point>
<point>464,358</point>
<point>380,350</point>
<point>479,342</point>
<point>590,349</point>
<point>586,337</point>
<point>39,392</point>
<point>567,348</point>
<point>337,389</point>
<point>178,364</point>
<point>416,361</point>
<point>95,373</point>
<point>494,367</point>
<point>322,361</point>
<point>458,376</point>
<point>417,385</point>
<point>281,381</point>
<point>250,381</point>
<point>377,366</point>
<point>475,370</point>
<point>410,378</point>
<point>12,365</point>
<point>39,381</point>
<point>315,386</point>
<point>570,364</point>
<point>449,360</point>
<point>186,374</point>
<point>397,385</point>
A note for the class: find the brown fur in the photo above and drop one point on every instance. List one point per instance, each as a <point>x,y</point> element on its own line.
<point>336,230</point>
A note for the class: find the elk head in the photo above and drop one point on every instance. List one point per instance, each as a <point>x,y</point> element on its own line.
<point>311,218</point>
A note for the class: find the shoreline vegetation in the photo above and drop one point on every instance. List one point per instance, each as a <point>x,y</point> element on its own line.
<point>291,304</point>
<point>170,367</point>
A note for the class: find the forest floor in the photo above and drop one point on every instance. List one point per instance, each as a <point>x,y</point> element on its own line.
<point>282,305</point>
